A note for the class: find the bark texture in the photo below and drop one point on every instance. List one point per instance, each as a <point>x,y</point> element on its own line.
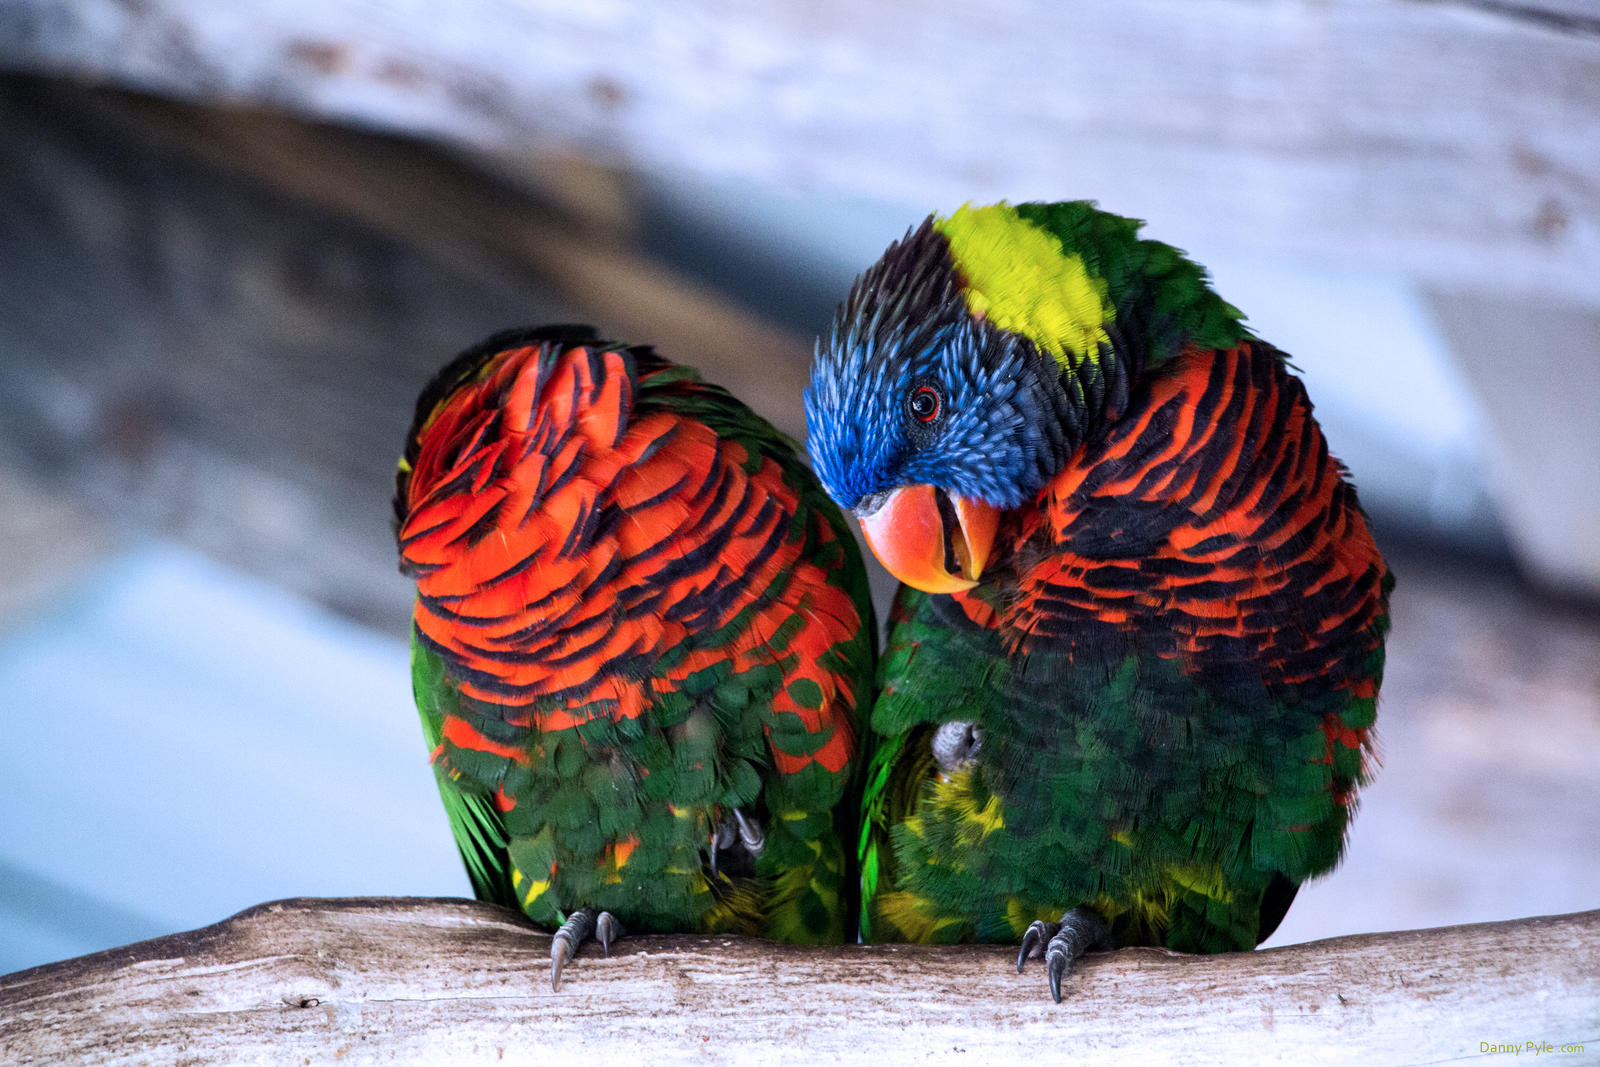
<point>454,981</point>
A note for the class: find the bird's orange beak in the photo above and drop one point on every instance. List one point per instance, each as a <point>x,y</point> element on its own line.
<point>932,541</point>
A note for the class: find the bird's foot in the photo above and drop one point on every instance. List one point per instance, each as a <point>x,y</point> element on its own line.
<point>579,927</point>
<point>1080,930</point>
<point>956,745</point>
<point>736,829</point>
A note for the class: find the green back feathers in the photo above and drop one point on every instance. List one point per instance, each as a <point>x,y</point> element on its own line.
<point>1072,279</point>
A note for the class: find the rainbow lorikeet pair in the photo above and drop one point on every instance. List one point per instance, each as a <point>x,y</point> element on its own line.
<point>1129,683</point>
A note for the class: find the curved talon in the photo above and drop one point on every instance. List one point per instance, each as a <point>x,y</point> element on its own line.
<point>1033,940</point>
<point>578,927</point>
<point>722,836</point>
<point>750,834</point>
<point>1080,930</point>
<point>606,930</point>
<point>560,953</point>
<point>1057,959</point>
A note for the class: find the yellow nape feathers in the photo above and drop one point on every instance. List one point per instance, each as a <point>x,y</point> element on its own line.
<point>1021,279</point>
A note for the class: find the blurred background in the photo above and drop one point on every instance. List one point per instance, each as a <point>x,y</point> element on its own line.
<point>236,239</point>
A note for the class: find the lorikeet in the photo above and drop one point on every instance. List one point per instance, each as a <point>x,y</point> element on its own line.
<point>640,638</point>
<point>1129,686</point>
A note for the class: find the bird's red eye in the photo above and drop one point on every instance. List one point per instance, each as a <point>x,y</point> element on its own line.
<point>925,403</point>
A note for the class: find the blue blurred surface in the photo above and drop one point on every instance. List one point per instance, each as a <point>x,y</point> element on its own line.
<point>182,742</point>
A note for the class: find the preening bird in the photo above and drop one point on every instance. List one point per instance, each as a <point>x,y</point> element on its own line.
<point>1130,681</point>
<point>640,640</point>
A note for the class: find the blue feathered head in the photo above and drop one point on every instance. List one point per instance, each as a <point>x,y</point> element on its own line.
<point>910,388</point>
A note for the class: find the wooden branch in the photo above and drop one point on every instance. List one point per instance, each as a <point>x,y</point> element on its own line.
<point>453,981</point>
<point>1452,140</point>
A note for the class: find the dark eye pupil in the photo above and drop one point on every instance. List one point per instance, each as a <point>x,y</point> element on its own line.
<point>925,403</point>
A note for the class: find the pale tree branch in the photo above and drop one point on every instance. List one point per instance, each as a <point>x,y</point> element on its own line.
<point>454,981</point>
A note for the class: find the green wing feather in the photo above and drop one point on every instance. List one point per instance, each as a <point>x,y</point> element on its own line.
<point>478,828</point>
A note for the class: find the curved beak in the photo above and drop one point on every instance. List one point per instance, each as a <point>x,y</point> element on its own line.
<point>930,540</point>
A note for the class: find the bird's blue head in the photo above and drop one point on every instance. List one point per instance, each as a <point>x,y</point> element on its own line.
<point>971,360</point>
<point>927,420</point>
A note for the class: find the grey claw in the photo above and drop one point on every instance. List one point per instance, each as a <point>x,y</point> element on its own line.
<point>1033,940</point>
<point>1028,941</point>
<point>1057,959</point>
<point>607,929</point>
<point>750,834</point>
<point>736,828</point>
<point>560,953</point>
<point>578,927</point>
<point>722,837</point>
<point>1081,930</point>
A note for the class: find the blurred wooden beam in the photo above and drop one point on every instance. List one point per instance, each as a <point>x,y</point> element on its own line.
<point>1454,140</point>
<point>214,323</point>
<point>452,212</point>
<point>451,981</point>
